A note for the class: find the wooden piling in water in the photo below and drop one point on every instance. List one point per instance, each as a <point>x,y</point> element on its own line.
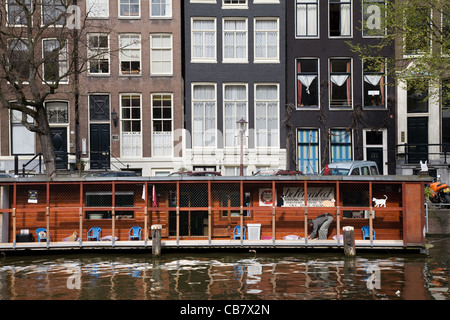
<point>349,241</point>
<point>156,239</point>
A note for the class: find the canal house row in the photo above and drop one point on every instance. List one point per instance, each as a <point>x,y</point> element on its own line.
<point>207,211</point>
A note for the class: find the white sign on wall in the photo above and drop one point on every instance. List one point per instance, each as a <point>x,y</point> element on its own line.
<point>316,197</point>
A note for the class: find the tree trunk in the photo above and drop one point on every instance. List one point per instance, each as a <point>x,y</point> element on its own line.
<point>45,138</point>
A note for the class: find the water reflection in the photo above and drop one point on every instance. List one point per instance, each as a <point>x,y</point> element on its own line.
<point>228,276</point>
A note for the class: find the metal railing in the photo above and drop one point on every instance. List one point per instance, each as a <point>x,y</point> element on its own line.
<point>414,152</point>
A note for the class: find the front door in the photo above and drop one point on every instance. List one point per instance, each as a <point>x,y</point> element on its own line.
<point>59,138</point>
<point>99,146</point>
<point>417,139</point>
<point>376,154</point>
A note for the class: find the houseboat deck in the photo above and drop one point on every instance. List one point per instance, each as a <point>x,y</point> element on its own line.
<point>202,244</point>
<point>205,212</point>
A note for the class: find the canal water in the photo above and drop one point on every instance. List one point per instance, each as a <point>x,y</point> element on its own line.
<point>249,275</point>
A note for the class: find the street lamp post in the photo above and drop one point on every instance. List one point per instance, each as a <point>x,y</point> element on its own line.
<point>241,123</point>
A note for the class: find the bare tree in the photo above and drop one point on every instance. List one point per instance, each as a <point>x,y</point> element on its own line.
<point>40,42</point>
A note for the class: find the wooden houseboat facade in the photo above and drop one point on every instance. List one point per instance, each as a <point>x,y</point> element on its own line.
<point>207,211</point>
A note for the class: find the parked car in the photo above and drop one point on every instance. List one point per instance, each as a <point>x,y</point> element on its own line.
<point>118,174</point>
<point>351,168</point>
<point>278,173</point>
<point>5,175</point>
<point>195,174</point>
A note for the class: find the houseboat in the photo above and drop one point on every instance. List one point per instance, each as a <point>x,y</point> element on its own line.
<point>387,212</point>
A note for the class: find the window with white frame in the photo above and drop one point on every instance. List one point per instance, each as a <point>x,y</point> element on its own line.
<point>308,150</point>
<point>130,54</point>
<point>340,18</point>
<point>307,83</point>
<point>18,59</point>
<point>307,18</point>
<point>129,8</point>
<point>17,11</point>
<point>374,85</point>
<point>23,141</point>
<point>97,8</point>
<point>373,18</point>
<point>130,105</point>
<point>204,101</point>
<point>55,60</point>
<point>161,54</point>
<point>340,83</point>
<point>235,40</point>
<point>445,31</point>
<point>98,53</point>
<point>267,115</point>
<point>266,39</point>
<point>235,108</point>
<point>54,12</point>
<point>203,40</point>
<point>162,115</point>
<point>161,9</point>
<point>341,145</point>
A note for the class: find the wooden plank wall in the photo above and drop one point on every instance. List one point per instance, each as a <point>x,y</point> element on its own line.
<point>62,201</point>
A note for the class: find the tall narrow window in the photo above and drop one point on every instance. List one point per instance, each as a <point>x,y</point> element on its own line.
<point>373,18</point>
<point>307,83</point>
<point>161,54</point>
<point>162,125</point>
<point>130,54</point>
<point>98,52</point>
<point>341,145</point>
<point>18,61</point>
<point>266,40</point>
<point>23,141</point>
<point>445,37</point>
<point>374,82</point>
<point>235,41</point>
<point>307,18</point>
<point>203,40</point>
<point>340,18</point>
<point>204,115</point>
<point>267,115</point>
<point>446,114</point>
<point>417,31</point>
<point>340,83</point>
<point>55,60</point>
<point>235,108</point>
<point>308,150</point>
<point>131,125</point>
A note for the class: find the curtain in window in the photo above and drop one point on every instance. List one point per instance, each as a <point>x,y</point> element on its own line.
<point>345,18</point>
<point>162,144</point>
<point>307,18</point>
<point>308,151</point>
<point>376,80</point>
<point>203,39</point>
<point>266,116</point>
<point>204,116</point>
<point>131,144</point>
<point>266,39</point>
<point>341,145</point>
<point>235,109</point>
<point>235,39</point>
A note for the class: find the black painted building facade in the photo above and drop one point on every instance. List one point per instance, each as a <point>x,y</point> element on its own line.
<point>339,106</point>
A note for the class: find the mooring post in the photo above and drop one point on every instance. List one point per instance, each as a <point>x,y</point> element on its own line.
<point>349,241</point>
<point>156,239</point>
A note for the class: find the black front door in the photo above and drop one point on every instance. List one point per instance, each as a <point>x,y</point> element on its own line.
<point>99,146</point>
<point>417,139</point>
<point>376,154</point>
<point>59,138</point>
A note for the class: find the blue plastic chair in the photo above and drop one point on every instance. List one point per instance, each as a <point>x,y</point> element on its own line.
<point>94,233</point>
<point>42,234</point>
<point>366,232</point>
<point>135,232</point>
<point>237,232</point>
